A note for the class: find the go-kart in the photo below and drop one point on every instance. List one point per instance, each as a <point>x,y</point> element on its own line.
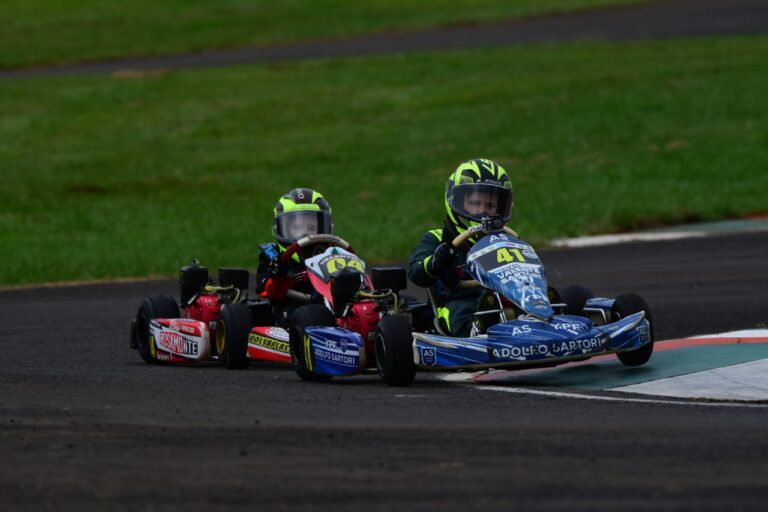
<point>162,333</point>
<point>219,322</point>
<point>336,337</point>
<point>517,325</point>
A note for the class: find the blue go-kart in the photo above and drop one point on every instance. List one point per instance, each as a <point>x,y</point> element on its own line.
<point>521,322</point>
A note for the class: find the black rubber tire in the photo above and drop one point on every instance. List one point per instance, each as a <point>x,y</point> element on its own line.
<point>307,316</point>
<point>156,306</point>
<point>575,297</point>
<point>394,351</point>
<point>232,330</point>
<point>625,305</point>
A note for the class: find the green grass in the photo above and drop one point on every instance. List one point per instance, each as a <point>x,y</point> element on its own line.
<point>106,177</point>
<point>46,31</point>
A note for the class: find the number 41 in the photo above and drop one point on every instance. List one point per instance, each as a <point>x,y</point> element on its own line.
<point>505,255</point>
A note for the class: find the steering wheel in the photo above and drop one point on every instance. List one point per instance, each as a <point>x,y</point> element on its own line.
<point>312,240</point>
<point>462,237</point>
<point>309,241</point>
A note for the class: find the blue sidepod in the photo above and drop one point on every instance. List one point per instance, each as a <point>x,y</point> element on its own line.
<point>335,351</point>
<point>526,342</point>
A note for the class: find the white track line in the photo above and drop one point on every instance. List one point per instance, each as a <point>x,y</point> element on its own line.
<point>591,241</point>
<point>560,394</point>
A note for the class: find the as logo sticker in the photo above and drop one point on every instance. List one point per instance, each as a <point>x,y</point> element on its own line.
<point>428,356</point>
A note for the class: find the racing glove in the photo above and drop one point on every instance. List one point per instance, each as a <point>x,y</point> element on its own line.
<point>275,268</point>
<point>441,260</point>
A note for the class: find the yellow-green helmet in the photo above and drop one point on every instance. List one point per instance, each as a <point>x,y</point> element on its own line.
<point>478,188</point>
<point>299,213</point>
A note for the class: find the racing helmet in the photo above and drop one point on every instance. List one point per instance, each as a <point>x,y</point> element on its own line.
<point>478,188</point>
<point>299,213</point>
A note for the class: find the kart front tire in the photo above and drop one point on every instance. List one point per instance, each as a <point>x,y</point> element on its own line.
<point>625,305</point>
<point>310,315</point>
<point>232,330</point>
<point>394,351</point>
<point>156,306</point>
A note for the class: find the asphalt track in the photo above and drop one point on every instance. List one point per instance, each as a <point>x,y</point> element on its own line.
<point>84,424</point>
<point>651,20</point>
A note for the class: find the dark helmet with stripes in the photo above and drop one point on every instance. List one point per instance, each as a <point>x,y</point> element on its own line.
<point>478,188</point>
<point>299,213</point>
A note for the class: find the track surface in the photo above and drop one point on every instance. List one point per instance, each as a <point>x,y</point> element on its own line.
<point>661,19</point>
<point>85,425</point>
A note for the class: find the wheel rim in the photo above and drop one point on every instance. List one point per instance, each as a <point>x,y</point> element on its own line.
<point>221,337</point>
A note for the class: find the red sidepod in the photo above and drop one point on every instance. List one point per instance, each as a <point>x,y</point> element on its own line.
<point>363,318</point>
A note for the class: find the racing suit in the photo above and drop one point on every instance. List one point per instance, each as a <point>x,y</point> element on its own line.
<point>455,306</point>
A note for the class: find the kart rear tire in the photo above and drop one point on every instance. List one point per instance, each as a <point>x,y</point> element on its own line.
<point>627,304</point>
<point>307,316</point>
<point>156,306</point>
<point>575,297</point>
<point>232,330</point>
<point>394,351</point>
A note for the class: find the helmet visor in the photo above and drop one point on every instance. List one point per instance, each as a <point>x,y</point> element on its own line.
<point>293,225</point>
<point>478,200</point>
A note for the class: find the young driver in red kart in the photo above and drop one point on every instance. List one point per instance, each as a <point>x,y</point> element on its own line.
<point>298,213</point>
<point>476,189</point>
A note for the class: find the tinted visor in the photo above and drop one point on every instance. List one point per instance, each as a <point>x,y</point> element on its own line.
<point>477,200</point>
<point>291,226</point>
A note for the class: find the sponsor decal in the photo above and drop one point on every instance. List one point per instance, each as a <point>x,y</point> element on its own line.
<point>518,272</point>
<point>184,327</point>
<point>586,345</point>
<point>555,348</point>
<point>333,357</point>
<point>428,356</point>
<point>277,333</point>
<point>642,332</point>
<point>519,352</point>
<point>567,326</point>
<point>496,238</point>
<point>175,342</point>
<point>341,344</point>
<point>270,343</point>
<point>518,331</point>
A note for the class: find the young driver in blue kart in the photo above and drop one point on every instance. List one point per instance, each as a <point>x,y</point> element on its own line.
<point>477,189</point>
<point>297,214</point>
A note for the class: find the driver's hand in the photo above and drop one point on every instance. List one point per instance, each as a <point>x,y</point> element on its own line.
<point>274,268</point>
<point>442,259</point>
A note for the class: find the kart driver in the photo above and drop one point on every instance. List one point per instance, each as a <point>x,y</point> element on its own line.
<point>478,188</point>
<point>298,213</point>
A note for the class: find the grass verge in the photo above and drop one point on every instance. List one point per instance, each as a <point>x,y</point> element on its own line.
<point>107,177</point>
<point>60,31</point>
